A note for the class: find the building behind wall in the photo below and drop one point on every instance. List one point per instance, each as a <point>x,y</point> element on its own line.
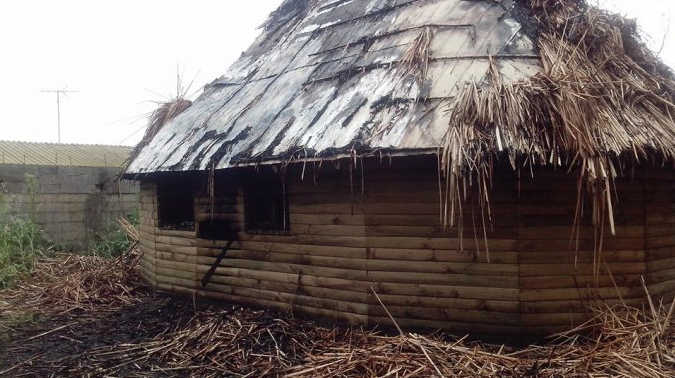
<point>72,186</point>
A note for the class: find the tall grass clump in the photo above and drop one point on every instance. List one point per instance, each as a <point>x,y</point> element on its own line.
<point>116,238</point>
<point>21,238</point>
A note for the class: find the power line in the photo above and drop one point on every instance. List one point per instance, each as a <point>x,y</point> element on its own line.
<point>58,92</point>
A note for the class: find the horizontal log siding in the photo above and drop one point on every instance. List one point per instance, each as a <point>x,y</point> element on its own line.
<point>317,269</point>
<point>557,283</point>
<point>383,231</point>
<point>428,276</point>
<point>148,225</point>
<point>660,234</point>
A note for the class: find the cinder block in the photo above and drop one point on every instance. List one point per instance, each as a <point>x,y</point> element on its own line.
<point>68,170</point>
<point>47,179</point>
<point>47,170</point>
<point>50,188</point>
<point>85,187</point>
<point>14,187</point>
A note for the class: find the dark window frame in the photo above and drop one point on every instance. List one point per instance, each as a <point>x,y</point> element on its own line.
<point>176,205</point>
<point>266,209</point>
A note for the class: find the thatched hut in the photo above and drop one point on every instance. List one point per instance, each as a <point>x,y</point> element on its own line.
<point>483,166</point>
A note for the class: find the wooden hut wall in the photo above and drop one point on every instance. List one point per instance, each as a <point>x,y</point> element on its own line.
<point>148,229</point>
<point>350,233</point>
<point>660,233</point>
<point>319,268</point>
<point>555,291</point>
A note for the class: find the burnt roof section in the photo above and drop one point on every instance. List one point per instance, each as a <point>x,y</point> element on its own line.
<point>325,78</point>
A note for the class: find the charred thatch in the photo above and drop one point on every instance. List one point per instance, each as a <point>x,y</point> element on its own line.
<point>415,62</point>
<point>601,101</point>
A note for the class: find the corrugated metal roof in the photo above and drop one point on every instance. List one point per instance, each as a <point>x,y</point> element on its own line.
<point>82,155</point>
<point>321,80</point>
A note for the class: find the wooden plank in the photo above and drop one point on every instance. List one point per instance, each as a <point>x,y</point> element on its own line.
<point>175,241</point>
<point>583,257</point>
<point>445,255</point>
<point>329,230</point>
<point>478,281</point>
<point>348,318</point>
<point>469,233</point>
<point>474,328</point>
<point>564,232</point>
<point>661,265</point>
<point>658,230</point>
<point>291,288</point>
<point>176,249</point>
<point>661,241</point>
<point>175,233</point>
<point>178,257</point>
<point>359,275</point>
<point>570,319</point>
<point>338,241</point>
<point>580,294</point>
<point>575,306</point>
<point>662,276</point>
<point>507,245</point>
<point>446,314</point>
<point>535,270</point>
<point>447,291</point>
<point>441,267</point>
<point>580,281</point>
<point>441,302</point>
<point>434,220</point>
<point>319,261</point>
<point>563,245</point>
<point>291,278</point>
<point>660,253</point>
<point>666,288</point>
<point>206,248</point>
<point>175,265</point>
<point>327,219</point>
<point>175,273</point>
<point>301,300</point>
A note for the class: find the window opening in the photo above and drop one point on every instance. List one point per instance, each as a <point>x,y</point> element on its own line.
<point>175,205</point>
<point>266,203</point>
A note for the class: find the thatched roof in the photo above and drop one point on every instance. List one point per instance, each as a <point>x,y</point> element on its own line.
<point>555,81</point>
<point>326,77</point>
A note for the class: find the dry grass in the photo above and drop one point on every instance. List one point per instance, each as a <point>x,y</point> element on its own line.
<point>160,117</point>
<point>602,103</point>
<point>100,320</point>
<point>415,61</point>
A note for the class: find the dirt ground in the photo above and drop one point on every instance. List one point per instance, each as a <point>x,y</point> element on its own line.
<point>91,317</point>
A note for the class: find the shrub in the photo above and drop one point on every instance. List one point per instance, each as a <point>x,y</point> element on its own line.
<point>115,240</point>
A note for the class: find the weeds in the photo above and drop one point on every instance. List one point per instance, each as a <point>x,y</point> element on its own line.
<point>21,238</point>
<point>115,240</point>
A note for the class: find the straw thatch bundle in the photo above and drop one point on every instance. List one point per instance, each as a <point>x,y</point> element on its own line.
<point>160,117</point>
<point>601,101</point>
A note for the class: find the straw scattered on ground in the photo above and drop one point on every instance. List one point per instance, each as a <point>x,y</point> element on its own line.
<point>87,316</point>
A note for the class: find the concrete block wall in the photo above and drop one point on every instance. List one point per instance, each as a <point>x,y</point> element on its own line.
<point>74,204</point>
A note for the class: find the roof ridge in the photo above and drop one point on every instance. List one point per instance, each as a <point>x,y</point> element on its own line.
<point>65,144</point>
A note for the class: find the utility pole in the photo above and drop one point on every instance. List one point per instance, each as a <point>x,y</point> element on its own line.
<point>58,92</point>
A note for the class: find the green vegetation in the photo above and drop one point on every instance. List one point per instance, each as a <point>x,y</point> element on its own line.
<point>115,240</point>
<point>21,238</point>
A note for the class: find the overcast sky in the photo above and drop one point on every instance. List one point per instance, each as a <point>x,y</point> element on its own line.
<point>121,57</point>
